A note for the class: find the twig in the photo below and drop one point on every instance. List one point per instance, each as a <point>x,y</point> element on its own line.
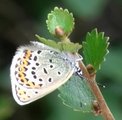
<point>105,111</point>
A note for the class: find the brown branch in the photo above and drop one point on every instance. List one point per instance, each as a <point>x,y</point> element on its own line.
<point>105,111</point>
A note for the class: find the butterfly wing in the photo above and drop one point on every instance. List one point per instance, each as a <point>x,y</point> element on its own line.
<point>36,71</point>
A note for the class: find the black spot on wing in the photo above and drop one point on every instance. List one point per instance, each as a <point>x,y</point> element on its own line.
<point>51,51</point>
<point>40,79</point>
<point>50,60</point>
<point>16,65</point>
<point>28,84</point>
<point>39,51</point>
<point>50,79</point>
<point>19,75</point>
<point>28,63</point>
<point>36,92</point>
<point>22,80</point>
<point>27,79</point>
<point>51,66</point>
<point>33,72</point>
<point>15,72</point>
<point>40,85</point>
<point>24,74</point>
<point>25,68</point>
<point>18,59</point>
<point>45,71</point>
<point>59,73</point>
<point>34,76</point>
<point>33,68</point>
<point>37,64</point>
<point>33,83</point>
<point>35,58</point>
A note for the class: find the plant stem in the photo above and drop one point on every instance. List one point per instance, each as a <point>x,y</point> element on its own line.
<point>105,111</point>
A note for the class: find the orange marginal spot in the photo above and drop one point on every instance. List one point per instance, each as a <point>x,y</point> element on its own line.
<point>22,95</point>
<point>21,75</point>
<point>25,62</point>
<point>32,85</point>
<point>21,92</point>
<point>22,67</point>
<point>27,54</point>
<point>26,57</point>
<point>26,82</point>
<point>22,72</point>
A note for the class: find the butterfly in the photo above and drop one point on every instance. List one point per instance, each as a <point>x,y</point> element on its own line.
<point>38,70</point>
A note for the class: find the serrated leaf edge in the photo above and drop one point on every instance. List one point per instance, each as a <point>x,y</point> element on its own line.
<point>63,10</point>
<point>97,34</point>
<point>59,45</point>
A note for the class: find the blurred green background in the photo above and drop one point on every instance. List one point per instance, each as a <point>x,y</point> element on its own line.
<point>21,19</point>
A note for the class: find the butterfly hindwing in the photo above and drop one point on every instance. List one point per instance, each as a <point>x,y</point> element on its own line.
<point>37,70</point>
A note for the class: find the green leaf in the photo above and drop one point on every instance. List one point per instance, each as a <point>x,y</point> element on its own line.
<point>95,48</point>
<point>61,19</point>
<point>77,94</point>
<point>62,46</point>
<point>69,47</point>
<point>48,42</point>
